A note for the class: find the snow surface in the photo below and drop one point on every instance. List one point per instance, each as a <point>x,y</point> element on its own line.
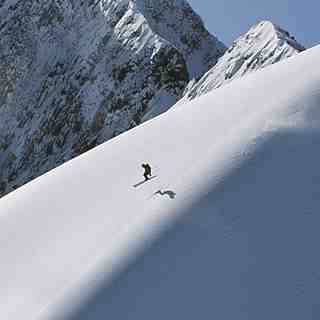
<point>228,228</point>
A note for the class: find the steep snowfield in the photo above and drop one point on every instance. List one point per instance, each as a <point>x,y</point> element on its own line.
<point>228,229</point>
<point>264,44</point>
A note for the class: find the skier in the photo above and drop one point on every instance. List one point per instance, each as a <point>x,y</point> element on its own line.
<point>147,171</point>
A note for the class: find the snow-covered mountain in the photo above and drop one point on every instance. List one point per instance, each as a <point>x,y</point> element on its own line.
<point>264,44</point>
<point>74,74</point>
<point>228,228</point>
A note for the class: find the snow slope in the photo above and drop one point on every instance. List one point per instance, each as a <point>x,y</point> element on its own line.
<point>264,44</point>
<point>228,229</point>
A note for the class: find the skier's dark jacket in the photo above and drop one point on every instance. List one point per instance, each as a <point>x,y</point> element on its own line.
<point>147,169</point>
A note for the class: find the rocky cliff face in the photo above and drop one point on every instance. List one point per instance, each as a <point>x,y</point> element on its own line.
<point>74,74</point>
<point>263,45</point>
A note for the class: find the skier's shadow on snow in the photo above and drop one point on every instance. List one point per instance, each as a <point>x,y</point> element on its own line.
<point>198,264</point>
<point>169,193</point>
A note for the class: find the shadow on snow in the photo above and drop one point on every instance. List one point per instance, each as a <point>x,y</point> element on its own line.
<point>169,193</point>
<point>246,250</point>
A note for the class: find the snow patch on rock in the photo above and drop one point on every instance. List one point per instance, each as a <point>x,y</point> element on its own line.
<point>264,44</point>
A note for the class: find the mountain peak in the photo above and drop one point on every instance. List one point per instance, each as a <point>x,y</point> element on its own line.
<point>177,22</point>
<point>272,31</point>
<point>264,44</point>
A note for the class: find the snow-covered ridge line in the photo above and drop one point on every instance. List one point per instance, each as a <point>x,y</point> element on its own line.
<point>201,49</point>
<point>245,243</point>
<point>264,44</point>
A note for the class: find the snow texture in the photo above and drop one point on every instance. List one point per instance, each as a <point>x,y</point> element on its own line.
<point>227,229</point>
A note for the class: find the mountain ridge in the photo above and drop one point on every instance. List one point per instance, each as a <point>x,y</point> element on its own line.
<point>264,44</point>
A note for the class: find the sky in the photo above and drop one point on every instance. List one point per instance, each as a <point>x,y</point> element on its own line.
<point>227,19</point>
